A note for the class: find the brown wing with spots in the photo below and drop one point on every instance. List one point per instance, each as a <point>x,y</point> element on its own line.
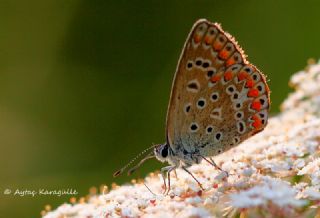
<point>218,98</point>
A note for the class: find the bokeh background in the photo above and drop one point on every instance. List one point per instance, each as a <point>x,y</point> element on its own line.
<point>84,85</point>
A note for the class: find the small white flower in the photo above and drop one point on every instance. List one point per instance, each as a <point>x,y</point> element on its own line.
<point>194,200</point>
<point>312,193</point>
<point>310,168</point>
<point>221,176</point>
<point>278,192</point>
<point>248,171</point>
<point>299,163</point>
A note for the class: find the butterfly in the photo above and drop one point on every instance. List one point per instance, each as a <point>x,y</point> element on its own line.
<point>218,100</point>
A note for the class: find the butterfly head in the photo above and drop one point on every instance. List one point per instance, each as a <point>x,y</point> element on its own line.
<point>162,152</point>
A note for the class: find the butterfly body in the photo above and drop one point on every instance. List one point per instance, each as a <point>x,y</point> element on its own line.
<point>218,98</point>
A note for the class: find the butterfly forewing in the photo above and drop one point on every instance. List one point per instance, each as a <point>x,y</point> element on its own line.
<point>218,99</point>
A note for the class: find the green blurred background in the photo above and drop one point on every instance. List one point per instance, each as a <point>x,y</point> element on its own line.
<point>84,85</point>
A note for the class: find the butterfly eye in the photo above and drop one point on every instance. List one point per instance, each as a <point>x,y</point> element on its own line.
<point>164,152</point>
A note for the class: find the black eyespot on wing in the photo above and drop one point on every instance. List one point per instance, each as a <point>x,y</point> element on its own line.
<point>193,85</point>
<point>201,103</point>
<point>209,129</point>
<point>259,88</point>
<point>210,73</point>
<point>248,69</point>
<point>189,65</point>
<point>194,127</point>
<point>188,108</point>
<point>214,96</point>
<point>239,114</point>
<point>218,136</point>
<point>241,127</point>
<point>235,96</point>
<point>198,62</point>
<point>205,64</point>
<point>254,77</point>
<point>230,89</point>
<point>234,68</point>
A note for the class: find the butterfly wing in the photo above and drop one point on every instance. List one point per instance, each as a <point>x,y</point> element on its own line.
<point>218,99</point>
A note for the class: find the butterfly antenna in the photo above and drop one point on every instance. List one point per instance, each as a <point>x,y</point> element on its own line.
<point>149,189</point>
<point>119,172</point>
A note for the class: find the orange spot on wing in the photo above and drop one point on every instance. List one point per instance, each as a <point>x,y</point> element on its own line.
<point>256,122</point>
<point>230,62</point>
<point>253,93</point>
<point>197,38</point>
<point>228,76</point>
<point>256,105</point>
<point>224,54</point>
<point>217,46</point>
<point>215,78</point>
<point>242,75</point>
<point>249,83</point>
<point>208,40</point>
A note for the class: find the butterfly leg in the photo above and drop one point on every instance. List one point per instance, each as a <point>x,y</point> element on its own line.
<point>166,170</point>
<point>185,169</point>
<point>216,166</point>
<point>175,173</point>
<point>211,161</point>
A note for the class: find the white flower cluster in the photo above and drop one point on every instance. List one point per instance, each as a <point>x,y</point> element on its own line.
<point>273,191</point>
<point>276,172</point>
